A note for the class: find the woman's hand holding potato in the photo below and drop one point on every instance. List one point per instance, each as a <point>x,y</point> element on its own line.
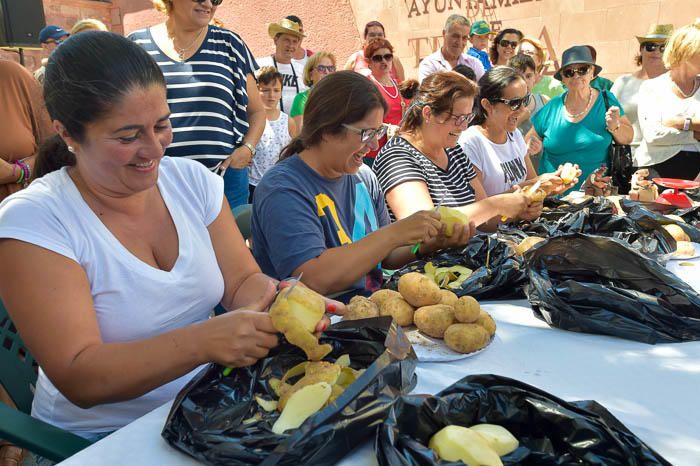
<point>461,234</point>
<point>421,226</point>
<point>556,183</point>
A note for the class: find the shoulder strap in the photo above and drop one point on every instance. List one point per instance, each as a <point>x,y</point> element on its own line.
<point>605,98</point>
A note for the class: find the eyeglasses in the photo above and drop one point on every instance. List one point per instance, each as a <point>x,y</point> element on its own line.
<point>460,120</point>
<point>325,68</point>
<point>652,47</point>
<point>379,58</point>
<point>213,2</point>
<point>508,43</point>
<point>515,104</point>
<point>367,134</point>
<point>571,72</point>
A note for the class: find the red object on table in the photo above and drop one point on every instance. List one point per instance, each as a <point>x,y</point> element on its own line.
<point>674,196</point>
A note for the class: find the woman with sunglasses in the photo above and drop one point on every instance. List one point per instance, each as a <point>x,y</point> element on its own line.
<point>504,46</point>
<point>218,117</point>
<point>424,166</point>
<point>669,110</point>
<point>650,59</point>
<point>318,66</point>
<point>320,210</point>
<point>575,126</point>
<point>357,61</point>
<point>494,145</point>
<point>380,56</point>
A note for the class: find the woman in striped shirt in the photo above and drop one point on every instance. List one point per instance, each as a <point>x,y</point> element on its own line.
<point>217,115</point>
<point>423,166</point>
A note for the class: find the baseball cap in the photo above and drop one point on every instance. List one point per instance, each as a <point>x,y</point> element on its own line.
<point>480,28</point>
<point>51,32</point>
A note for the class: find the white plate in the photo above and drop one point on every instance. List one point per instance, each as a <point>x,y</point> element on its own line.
<point>683,258</point>
<point>430,349</point>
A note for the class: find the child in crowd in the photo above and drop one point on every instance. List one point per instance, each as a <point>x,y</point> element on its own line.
<point>279,128</point>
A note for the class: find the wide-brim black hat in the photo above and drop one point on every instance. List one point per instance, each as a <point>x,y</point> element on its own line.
<point>575,55</point>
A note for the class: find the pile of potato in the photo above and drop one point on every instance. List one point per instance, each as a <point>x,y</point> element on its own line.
<point>461,322</point>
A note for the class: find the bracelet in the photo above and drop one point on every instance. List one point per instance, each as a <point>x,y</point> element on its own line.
<point>687,123</point>
<point>25,173</point>
<point>613,130</point>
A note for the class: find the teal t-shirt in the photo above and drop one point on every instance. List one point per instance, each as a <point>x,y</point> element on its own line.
<point>584,143</point>
<point>299,103</point>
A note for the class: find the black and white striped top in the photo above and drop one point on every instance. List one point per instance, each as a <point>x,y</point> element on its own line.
<point>399,161</point>
<point>207,94</point>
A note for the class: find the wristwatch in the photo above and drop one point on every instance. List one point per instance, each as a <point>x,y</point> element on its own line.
<point>687,124</point>
<point>250,147</point>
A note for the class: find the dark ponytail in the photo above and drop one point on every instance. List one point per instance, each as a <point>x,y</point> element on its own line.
<point>491,86</point>
<point>85,78</point>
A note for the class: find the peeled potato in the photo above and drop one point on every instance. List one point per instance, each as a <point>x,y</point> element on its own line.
<point>434,320</point>
<point>486,321</point>
<point>535,196</point>
<point>302,405</point>
<point>448,298</point>
<point>466,338</point>
<point>467,309</point>
<point>378,297</point>
<point>457,443</point>
<point>677,232</point>
<point>497,437</point>
<point>399,309</point>
<point>418,290</point>
<point>684,249</point>
<point>360,307</point>
<point>451,217</point>
<point>568,173</point>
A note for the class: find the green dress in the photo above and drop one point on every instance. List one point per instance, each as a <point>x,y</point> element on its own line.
<point>299,103</point>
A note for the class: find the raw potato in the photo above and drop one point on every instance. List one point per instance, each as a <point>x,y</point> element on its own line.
<point>486,321</point>
<point>360,307</point>
<point>684,249</point>
<point>677,232</point>
<point>296,314</point>
<point>321,371</point>
<point>378,297</point>
<point>448,298</point>
<point>535,196</point>
<point>451,217</point>
<point>457,443</point>
<point>568,173</point>
<point>418,290</point>
<point>466,338</point>
<point>302,405</point>
<point>497,437</point>
<point>399,309</point>
<point>467,309</point>
<point>526,244</point>
<point>434,320</point>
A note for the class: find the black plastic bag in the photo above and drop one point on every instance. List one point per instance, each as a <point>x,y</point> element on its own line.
<point>652,220</point>
<point>497,272</point>
<point>206,420</point>
<point>551,431</point>
<point>599,285</point>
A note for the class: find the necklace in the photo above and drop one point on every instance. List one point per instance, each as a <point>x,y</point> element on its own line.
<point>182,51</point>
<point>585,109</point>
<point>696,82</point>
<point>382,87</point>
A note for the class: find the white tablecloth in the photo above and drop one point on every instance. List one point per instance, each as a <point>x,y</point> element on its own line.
<point>652,389</point>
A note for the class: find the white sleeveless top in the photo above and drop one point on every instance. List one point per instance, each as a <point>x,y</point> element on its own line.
<point>132,299</point>
<point>267,152</point>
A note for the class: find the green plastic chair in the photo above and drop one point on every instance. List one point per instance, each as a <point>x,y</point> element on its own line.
<point>18,373</point>
<point>243,214</point>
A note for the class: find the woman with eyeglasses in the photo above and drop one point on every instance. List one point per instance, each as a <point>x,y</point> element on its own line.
<point>504,46</point>
<point>495,147</point>
<point>320,210</point>
<point>318,66</point>
<point>575,126</point>
<point>424,166</point>
<point>380,56</point>
<point>669,110</point>
<point>650,61</point>
<point>218,116</point>
<point>357,61</point>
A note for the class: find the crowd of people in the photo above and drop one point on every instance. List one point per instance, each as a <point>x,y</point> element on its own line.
<point>119,180</point>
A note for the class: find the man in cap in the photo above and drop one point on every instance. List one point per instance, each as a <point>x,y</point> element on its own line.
<point>51,37</point>
<point>455,36</point>
<point>479,37</point>
<point>287,35</point>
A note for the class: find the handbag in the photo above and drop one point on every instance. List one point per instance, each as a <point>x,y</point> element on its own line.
<point>620,156</point>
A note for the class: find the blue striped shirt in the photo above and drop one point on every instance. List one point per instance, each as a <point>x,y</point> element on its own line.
<point>207,94</point>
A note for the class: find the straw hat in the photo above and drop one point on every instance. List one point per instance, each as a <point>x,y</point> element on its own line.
<point>657,33</point>
<point>286,26</point>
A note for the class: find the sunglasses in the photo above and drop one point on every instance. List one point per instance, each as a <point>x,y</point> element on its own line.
<point>460,120</point>
<point>652,47</point>
<point>325,68</point>
<point>213,2</point>
<point>379,58</point>
<point>571,72</point>
<point>508,44</point>
<point>515,104</point>
<point>367,134</point>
